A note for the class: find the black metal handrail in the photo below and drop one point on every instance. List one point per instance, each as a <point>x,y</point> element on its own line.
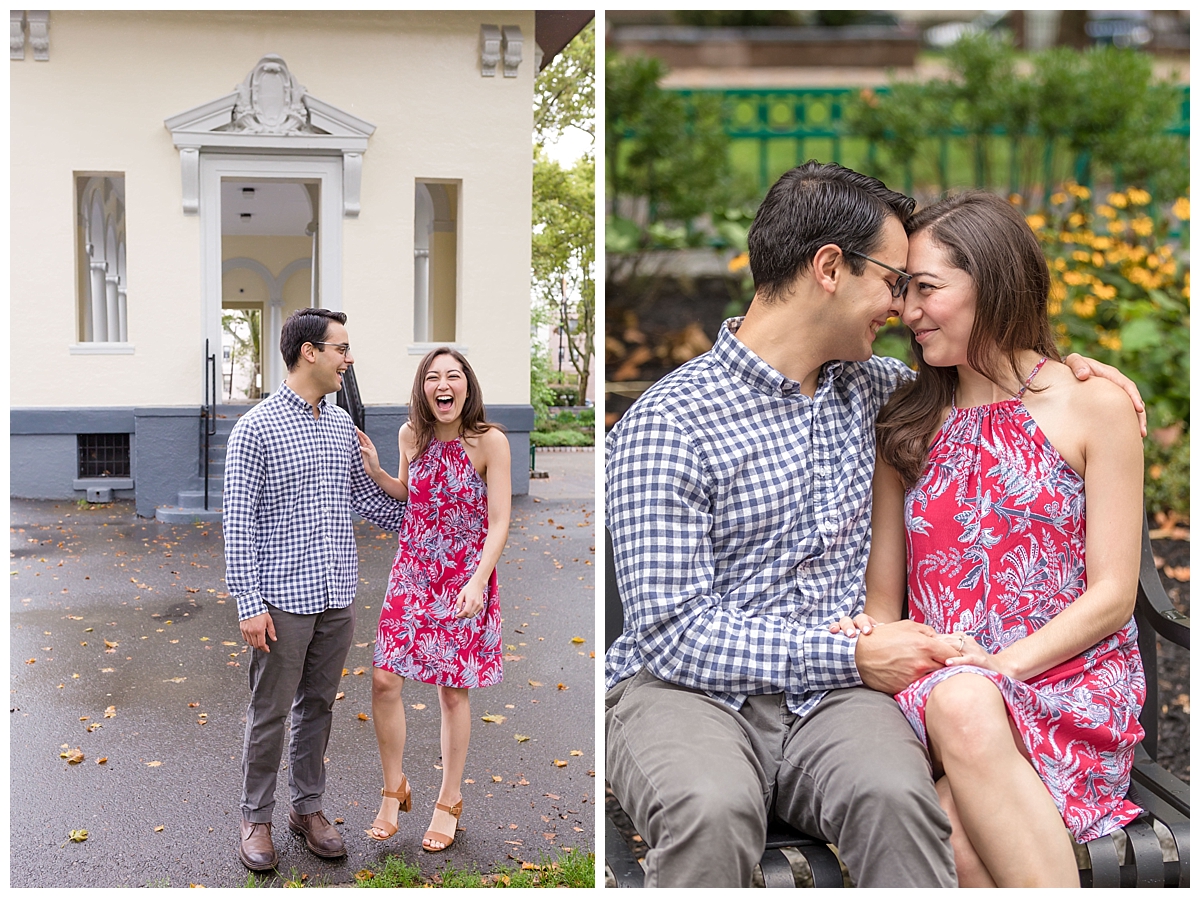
<point>349,399</point>
<point>209,413</point>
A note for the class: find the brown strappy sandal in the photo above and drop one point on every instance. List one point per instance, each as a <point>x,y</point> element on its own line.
<point>405,799</point>
<point>446,840</point>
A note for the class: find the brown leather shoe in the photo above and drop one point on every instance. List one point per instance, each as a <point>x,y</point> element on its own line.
<point>255,848</point>
<point>323,840</point>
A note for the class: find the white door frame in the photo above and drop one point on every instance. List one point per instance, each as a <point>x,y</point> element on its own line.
<point>214,167</point>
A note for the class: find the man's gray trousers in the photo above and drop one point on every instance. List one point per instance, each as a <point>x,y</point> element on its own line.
<point>301,674</point>
<point>699,779</point>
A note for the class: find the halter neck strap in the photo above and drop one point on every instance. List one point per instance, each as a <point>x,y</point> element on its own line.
<point>1032,375</point>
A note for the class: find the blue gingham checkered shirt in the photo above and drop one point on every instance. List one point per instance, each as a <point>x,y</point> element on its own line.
<point>290,483</point>
<point>740,511</point>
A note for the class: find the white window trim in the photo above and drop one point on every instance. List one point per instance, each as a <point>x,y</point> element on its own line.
<point>101,349</point>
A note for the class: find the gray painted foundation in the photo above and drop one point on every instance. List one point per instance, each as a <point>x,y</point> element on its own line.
<point>165,447</point>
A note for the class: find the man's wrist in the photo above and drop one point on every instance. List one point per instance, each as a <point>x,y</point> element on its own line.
<point>827,660</point>
<point>250,605</point>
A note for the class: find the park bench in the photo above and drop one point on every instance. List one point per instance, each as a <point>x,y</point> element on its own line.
<point>1134,857</point>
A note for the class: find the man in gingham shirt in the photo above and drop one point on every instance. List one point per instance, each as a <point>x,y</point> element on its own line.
<point>293,472</point>
<point>738,497</point>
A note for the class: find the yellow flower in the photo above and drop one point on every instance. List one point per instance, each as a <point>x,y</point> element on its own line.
<point>1084,308</point>
<point>1118,200</point>
<point>1015,198</point>
<point>1187,285</point>
<point>1036,222</point>
<point>1053,306</point>
<point>1061,329</point>
<point>1116,227</point>
<point>1109,340</point>
<point>1078,191</point>
<point>1081,256</point>
<point>1182,208</point>
<point>1057,291</point>
<point>1152,261</point>
<point>1060,264</point>
<point>1102,243</point>
<point>1104,291</point>
<point>1142,225</point>
<point>740,261</point>
<point>1107,211</point>
<point>1098,259</point>
<point>1137,196</point>
<point>1167,268</point>
<point>1058,199</point>
<point>1074,278</point>
<point>1075,219</point>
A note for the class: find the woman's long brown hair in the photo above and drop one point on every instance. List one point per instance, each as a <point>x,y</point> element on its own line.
<point>421,418</point>
<point>985,236</point>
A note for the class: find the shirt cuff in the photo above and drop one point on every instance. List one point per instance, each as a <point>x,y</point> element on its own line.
<point>250,605</point>
<point>827,660</point>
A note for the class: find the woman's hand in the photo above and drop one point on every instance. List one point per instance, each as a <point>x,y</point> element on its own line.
<point>469,601</point>
<point>369,454</point>
<point>971,652</point>
<point>852,625</point>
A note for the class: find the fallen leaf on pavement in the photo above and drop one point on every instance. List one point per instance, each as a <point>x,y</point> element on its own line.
<point>364,875</point>
<point>362,716</point>
<point>154,763</point>
<point>563,687</point>
<point>496,779</point>
<point>101,760</point>
<point>534,683</point>
<point>73,756</point>
<point>193,704</point>
<point>339,695</point>
<point>359,671</point>
<point>227,642</point>
<point>493,718</point>
<point>577,639</point>
<point>576,753</point>
<point>418,707</point>
<point>110,645</point>
<point>521,738</point>
<point>110,711</point>
<point>159,829</point>
<point>78,835</point>
<point>175,680</point>
<point>345,671</point>
<point>559,763</point>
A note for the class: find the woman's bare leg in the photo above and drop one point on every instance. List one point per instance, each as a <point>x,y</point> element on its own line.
<point>1003,806</point>
<point>972,874</point>
<point>387,707</point>
<point>456,736</point>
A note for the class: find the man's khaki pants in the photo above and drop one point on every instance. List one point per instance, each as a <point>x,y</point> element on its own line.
<point>698,780</point>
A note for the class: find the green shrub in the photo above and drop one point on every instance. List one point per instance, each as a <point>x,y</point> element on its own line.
<point>562,438</point>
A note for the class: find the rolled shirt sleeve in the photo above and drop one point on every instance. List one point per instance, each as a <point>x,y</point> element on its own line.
<point>245,476</point>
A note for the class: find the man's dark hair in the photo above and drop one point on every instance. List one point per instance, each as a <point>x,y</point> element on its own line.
<point>305,326</point>
<point>810,206</point>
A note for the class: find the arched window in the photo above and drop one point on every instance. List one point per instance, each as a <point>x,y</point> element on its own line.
<point>435,262</point>
<point>100,254</point>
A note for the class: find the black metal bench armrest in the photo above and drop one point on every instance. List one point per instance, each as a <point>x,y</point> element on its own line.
<point>1152,599</point>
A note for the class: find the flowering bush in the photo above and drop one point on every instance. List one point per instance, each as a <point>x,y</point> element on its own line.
<point>1120,293</point>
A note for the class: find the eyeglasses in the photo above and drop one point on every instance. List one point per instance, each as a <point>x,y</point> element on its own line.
<point>901,286</point>
<point>343,348</point>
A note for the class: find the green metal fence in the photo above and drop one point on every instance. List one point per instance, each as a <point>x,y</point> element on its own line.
<point>772,130</point>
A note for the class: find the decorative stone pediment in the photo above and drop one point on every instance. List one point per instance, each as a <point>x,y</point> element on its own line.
<point>270,112</point>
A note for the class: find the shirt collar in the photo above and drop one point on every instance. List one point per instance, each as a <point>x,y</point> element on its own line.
<point>746,366</point>
<point>291,397</point>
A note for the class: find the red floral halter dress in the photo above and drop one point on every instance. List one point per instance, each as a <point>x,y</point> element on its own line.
<point>441,541</point>
<point>995,534</point>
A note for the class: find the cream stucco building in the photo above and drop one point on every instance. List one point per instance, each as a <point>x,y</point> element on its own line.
<point>168,168</point>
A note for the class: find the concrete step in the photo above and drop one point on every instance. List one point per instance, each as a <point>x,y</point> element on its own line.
<point>195,498</point>
<point>173,514</point>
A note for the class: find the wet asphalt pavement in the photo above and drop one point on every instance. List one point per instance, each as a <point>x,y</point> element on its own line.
<point>125,646</point>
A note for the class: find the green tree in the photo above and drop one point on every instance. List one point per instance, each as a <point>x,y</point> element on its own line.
<point>564,200</point>
<point>564,254</point>
<point>245,326</point>
<point>667,157</point>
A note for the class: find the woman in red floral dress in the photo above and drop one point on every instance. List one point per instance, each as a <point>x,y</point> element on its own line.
<point>440,621</point>
<point>980,517</point>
